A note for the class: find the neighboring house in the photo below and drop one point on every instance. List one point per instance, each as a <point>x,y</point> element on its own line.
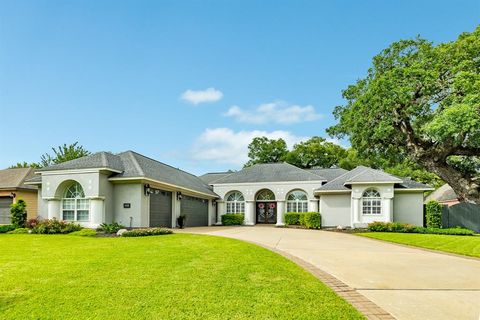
<point>12,188</point>
<point>127,188</point>
<point>264,192</point>
<point>444,195</point>
<point>137,191</point>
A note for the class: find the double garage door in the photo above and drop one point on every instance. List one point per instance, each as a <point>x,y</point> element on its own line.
<point>195,209</point>
<point>5,203</point>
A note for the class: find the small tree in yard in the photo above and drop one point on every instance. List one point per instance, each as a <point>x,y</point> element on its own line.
<point>434,214</point>
<point>18,213</point>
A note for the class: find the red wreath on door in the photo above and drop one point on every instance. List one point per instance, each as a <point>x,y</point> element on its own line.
<point>261,206</point>
<point>271,205</point>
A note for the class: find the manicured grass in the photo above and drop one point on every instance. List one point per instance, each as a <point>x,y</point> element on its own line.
<point>162,277</point>
<point>465,245</point>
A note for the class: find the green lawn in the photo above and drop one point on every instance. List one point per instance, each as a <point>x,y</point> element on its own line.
<point>165,277</point>
<point>465,245</point>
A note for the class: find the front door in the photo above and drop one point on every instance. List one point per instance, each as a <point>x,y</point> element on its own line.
<point>266,212</point>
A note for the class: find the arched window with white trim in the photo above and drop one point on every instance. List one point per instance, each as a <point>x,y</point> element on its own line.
<point>297,201</point>
<point>75,207</point>
<point>371,202</point>
<point>235,203</point>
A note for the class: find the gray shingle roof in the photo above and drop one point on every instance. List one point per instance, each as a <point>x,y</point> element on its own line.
<point>444,193</point>
<point>96,160</point>
<point>15,178</point>
<point>372,175</point>
<point>209,178</point>
<point>270,172</point>
<point>364,174</point>
<point>137,165</point>
<point>328,173</point>
<point>131,164</point>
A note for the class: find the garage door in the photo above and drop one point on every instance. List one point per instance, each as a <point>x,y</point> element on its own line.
<point>196,211</point>
<point>5,203</point>
<point>161,208</point>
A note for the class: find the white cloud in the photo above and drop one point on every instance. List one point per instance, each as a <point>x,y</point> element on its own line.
<point>201,96</point>
<point>225,146</point>
<point>276,112</point>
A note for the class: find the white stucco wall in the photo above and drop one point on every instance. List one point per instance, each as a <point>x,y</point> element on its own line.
<point>135,216</point>
<point>280,190</point>
<point>386,193</point>
<point>408,208</point>
<point>42,205</point>
<point>335,210</point>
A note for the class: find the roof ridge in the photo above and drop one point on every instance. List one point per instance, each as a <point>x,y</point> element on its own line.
<point>361,172</point>
<point>341,175</point>
<point>135,163</point>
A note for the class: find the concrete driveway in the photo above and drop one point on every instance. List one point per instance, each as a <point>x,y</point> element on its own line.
<point>409,283</point>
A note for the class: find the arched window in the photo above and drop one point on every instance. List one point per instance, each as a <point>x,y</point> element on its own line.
<point>371,202</point>
<point>265,195</point>
<point>74,205</point>
<point>235,203</point>
<point>297,201</point>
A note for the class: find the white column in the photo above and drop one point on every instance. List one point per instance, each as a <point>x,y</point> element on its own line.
<point>96,212</point>
<point>220,212</point>
<point>356,211</point>
<point>280,213</point>
<point>313,205</point>
<point>53,208</point>
<point>387,205</point>
<point>249,213</point>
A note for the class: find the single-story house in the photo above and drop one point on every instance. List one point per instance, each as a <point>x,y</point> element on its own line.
<point>138,191</point>
<point>264,192</point>
<point>12,188</point>
<point>444,195</point>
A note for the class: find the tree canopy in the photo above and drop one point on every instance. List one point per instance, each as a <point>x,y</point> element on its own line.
<point>264,150</point>
<point>60,154</point>
<point>420,102</point>
<point>315,152</point>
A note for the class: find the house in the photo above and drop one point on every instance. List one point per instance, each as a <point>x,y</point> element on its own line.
<point>138,191</point>
<point>128,188</point>
<point>444,195</point>
<point>264,192</point>
<point>12,188</point>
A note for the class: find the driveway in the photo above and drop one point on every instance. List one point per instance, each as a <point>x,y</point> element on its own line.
<point>409,283</point>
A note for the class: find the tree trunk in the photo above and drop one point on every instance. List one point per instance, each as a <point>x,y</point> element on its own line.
<point>466,187</point>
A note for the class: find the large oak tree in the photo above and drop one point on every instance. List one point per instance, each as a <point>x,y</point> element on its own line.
<point>421,101</point>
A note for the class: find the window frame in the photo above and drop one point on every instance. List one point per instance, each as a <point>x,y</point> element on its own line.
<point>75,204</point>
<point>371,204</point>
<point>296,204</point>
<point>236,205</point>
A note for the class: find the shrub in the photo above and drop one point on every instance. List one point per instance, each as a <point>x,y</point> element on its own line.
<point>19,231</point>
<point>408,228</point>
<point>147,232</point>
<point>110,227</point>
<point>311,220</point>
<point>6,228</point>
<point>84,233</point>
<point>18,213</point>
<point>292,218</point>
<point>31,223</point>
<point>55,226</point>
<point>231,219</point>
<point>434,214</point>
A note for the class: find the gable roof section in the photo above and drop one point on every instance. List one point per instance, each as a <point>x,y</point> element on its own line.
<point>130,164</point>
<point>15,178</point>
<point>363,174</point>
<point>328,173</point>
<point>444,193</point>
<point>137,165</point>
<point>97,160</point>
<point>214,176</point>
<point>371,175</point>
<point>269,172</point>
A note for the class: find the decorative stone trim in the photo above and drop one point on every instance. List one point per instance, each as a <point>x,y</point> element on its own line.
<point>365,306</point>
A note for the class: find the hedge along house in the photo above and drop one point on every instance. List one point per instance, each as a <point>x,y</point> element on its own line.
<point>12,188</point>
<point>127,188</point>
<point>265,192</point>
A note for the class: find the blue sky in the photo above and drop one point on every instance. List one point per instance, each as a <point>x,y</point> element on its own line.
<point>191,82</point>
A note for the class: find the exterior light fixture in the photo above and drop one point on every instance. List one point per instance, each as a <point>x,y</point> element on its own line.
<point>179,196</point>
